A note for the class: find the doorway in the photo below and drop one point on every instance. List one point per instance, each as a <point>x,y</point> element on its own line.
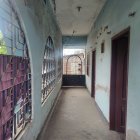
<point>119,81</point>
<point>73,67</point>
<point>93,73</point>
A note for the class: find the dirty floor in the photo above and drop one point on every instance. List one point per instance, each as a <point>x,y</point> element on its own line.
<point>76,118</point>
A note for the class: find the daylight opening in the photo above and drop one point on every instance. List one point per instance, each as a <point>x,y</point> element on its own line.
<point>73,61</point>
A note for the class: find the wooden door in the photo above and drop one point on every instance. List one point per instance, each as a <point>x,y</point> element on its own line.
<point>93,74</point>
<point>119,75</point>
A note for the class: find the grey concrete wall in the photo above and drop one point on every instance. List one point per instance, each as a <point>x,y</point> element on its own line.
<point>38,23</point>
<point>115,15</point>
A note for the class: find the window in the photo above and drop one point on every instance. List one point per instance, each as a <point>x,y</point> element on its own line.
<point>15,74</point>
<point>73,61</point>
<point>88,63</point>
<point>74,65</point>
<point>59,64</point>
<point>48,70</point>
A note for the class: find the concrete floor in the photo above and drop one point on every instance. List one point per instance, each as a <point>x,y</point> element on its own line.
<point>77,118</point>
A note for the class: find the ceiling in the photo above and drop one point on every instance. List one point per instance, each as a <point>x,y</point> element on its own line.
<point>74,21</point>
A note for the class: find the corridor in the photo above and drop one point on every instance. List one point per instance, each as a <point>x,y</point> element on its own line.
<point>76,118</point>
<point>46,45</point>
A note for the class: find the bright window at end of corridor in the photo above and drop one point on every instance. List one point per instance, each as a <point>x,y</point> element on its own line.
<point>73,61</point>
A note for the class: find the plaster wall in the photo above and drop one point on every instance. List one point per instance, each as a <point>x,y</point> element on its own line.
<point>115,16</point>
<point>38,23</point>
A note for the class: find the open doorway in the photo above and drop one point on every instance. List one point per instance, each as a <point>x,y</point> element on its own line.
<point>73,61</point>
<point>119,81</point>
<point>73,67</point>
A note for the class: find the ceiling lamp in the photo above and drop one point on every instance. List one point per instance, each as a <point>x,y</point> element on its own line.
<point>79,8</point>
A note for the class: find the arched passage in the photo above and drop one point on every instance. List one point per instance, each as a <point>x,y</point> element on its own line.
<point>48,69</point>
<point>73,70</point>
<point>74,65</point>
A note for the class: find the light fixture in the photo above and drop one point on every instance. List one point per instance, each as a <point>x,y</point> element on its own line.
<point>70,38</point>
<point>73,32</point>
<point>79,8</point>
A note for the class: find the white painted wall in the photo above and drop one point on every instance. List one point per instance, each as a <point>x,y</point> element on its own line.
<point>38,24</point>
<point>115,15</point>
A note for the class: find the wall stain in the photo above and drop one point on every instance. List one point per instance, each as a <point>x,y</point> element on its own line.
<point>100,87</point>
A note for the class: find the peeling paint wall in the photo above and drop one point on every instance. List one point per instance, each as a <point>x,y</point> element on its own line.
<point>115,16</point>
<point>38,23</point>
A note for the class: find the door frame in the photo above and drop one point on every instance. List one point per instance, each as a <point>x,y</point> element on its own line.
<point>93,74</point>
<point>112,95</point>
